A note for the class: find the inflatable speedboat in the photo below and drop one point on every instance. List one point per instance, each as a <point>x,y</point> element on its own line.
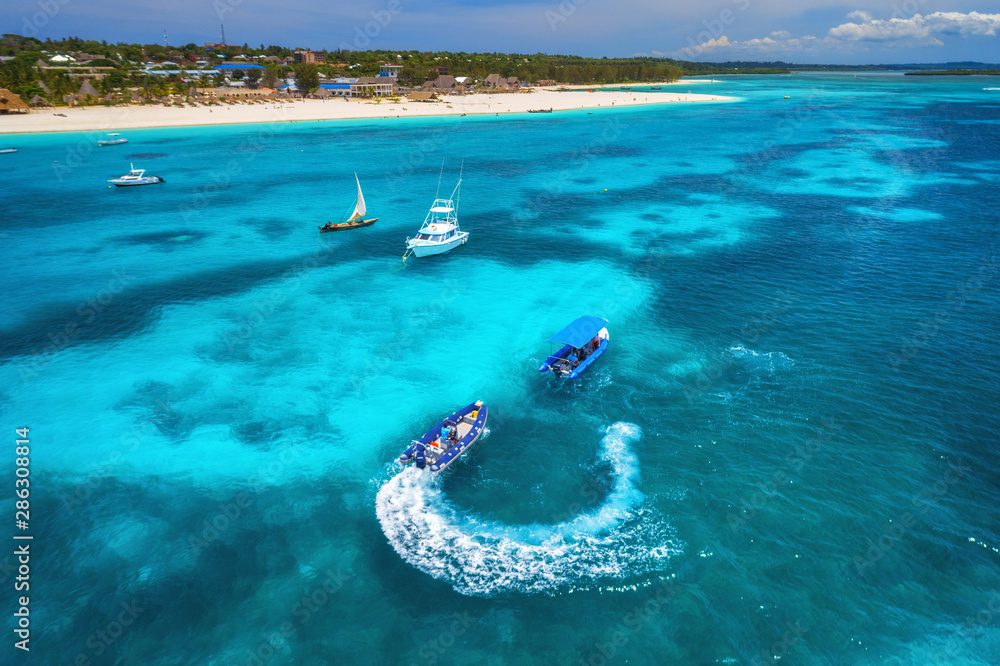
<point>448,440</point>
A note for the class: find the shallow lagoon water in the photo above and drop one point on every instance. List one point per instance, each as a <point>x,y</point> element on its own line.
<point>789,449</point>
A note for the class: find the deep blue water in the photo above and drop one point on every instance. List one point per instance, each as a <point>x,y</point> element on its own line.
<point>789,450</point>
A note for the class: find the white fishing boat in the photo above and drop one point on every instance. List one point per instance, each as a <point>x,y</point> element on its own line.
<point>115,139</point>
<point>136,177</point>
<point>8,150</point>
<point>440,231</point>
<point>357,217</point>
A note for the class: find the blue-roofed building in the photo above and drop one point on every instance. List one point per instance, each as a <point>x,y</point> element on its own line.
<point>232,66</point>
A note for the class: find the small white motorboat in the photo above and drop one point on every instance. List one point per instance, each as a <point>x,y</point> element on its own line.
<point>114,141</point>
<point>136,177</point>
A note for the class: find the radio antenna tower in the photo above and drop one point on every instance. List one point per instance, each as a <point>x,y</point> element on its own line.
<point>223,26</point>
<point>165,42</point>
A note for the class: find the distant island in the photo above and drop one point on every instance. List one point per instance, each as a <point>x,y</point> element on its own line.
<point>957,72</point>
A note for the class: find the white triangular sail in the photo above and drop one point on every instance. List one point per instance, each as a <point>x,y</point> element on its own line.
<point>359,207</point>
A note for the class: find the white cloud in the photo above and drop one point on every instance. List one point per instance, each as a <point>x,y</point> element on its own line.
<point>916,30</point>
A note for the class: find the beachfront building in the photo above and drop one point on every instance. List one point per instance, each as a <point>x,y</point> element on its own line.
<point>496,83</point>
<point>422,96</point>
<point>11,103</point>
<point>444,83</point>
<point>390,70</point>
<point>365,86</point>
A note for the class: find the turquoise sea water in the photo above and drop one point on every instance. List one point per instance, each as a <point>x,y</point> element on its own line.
<point>788,451</point>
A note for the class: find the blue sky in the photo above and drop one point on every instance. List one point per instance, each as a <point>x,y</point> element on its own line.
<point>803,31</point>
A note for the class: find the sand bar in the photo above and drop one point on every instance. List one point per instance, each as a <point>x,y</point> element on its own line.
<point>100,118</point>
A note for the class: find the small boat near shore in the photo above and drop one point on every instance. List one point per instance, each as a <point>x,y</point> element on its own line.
<point>136,177</point>
<point>448,440</point>
<point>583,341</point>
<point>440,232</point>
<point>356,219</point>
<point>116,140</point>
<point>7,150</point>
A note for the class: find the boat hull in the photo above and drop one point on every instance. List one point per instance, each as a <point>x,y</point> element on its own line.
<point>575,372</point>
<point>347,225</point>
<point>438,248</point>
<point>155,180</point>
<point>112,143</point>
<point>441,461</point>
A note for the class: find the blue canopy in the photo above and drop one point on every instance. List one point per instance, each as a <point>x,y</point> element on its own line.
<point>578,333</point>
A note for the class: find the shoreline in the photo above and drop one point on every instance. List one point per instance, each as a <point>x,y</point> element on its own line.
<point>117,118</point>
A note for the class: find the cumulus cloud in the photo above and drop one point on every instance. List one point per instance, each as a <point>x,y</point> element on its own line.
<point>917,30</point>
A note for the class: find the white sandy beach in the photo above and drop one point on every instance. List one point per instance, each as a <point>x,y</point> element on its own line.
<point>109,119</point>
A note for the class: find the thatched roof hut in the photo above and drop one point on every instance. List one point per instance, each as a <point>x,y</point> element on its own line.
<point>38,100</point>
<point>322,93</point>
<point>87,88</point>
<point>45,88</point>
<point>419,96</point>
<point>11,103</point>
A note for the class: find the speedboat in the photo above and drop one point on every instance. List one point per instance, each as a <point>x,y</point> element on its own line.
<point>8,150</point>
<point>583,342</point>
<point>440,231</point>
<point>114,141</point>
<point>448,440</point>
<point>136,177</point>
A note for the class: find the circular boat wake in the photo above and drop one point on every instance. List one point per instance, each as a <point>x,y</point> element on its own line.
<point>614,540</point>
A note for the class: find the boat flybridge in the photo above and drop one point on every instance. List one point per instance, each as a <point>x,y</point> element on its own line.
<point>440,231</point>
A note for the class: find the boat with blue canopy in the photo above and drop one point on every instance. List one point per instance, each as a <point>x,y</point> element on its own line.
<point>583,341</point>
<point>448,440</point>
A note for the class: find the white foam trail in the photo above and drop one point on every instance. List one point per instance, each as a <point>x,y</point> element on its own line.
<point>767,361</point>
<point>481,557</point>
